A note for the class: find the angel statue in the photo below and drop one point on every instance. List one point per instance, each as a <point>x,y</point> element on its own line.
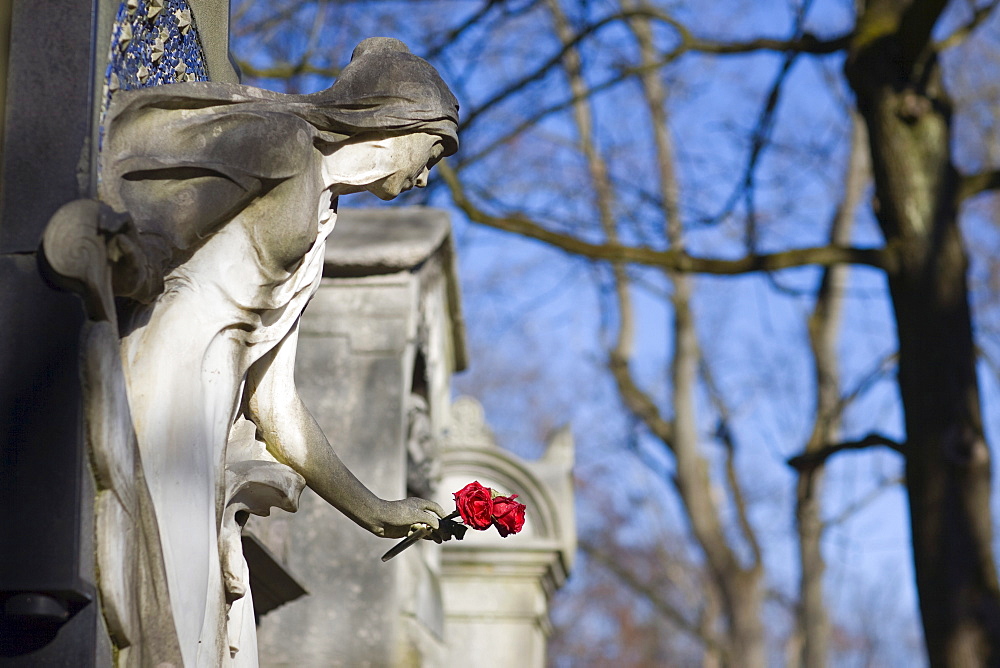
<point>215,204</point>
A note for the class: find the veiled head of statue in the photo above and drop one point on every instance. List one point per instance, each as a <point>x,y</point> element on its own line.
<point>387,89</point>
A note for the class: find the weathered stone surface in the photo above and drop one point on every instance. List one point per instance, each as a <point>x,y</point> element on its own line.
<point>373,242</point>
<point>47,152</point>
<point>213,27</point>
<point>255,483</point>
<point>351,374</point>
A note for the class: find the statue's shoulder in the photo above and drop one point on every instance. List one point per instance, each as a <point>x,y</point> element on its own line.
<point>241,132</point>
<point>191,96</point>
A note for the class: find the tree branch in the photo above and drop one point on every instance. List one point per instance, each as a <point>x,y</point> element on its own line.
<point>674,260</point>
<point>663,606</point>
<point>979,15</point>
<point>824,324</point>
<point>639,402</point>
<point>725,435</point>
<point>539,73</point>
<point>627,72</point>
<point>807,43</point>
<point>286,71</point>
<point>916,22</point>
<point>282,15</point>
<point>974,184</point>
<point>810,460</point>
<point>456,33</point>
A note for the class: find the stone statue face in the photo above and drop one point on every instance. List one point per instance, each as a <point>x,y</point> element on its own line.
<point>384,167</point>
<point>412,159</point>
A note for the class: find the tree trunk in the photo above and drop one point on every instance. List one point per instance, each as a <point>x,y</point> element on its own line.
<point>747,640</point>
<point>896,78</point>
<point>824,326</point>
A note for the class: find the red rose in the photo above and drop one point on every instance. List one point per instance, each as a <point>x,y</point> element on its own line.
<point>475,505</point>
<point>508,514</point>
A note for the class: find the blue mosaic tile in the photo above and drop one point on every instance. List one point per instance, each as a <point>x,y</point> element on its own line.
<point>153,42</point>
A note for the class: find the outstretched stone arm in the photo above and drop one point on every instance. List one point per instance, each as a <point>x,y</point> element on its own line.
<point>294,438</point>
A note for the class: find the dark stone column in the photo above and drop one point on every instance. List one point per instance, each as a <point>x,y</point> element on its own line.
<point>48,612</point>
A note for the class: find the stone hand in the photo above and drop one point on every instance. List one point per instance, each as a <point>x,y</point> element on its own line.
<point>397,518</point>
<point>447,530</point>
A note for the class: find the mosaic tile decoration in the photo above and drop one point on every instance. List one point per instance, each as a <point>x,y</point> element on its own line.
<point>153,42</point>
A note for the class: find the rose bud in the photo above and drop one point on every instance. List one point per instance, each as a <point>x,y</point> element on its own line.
<point>508,514</point>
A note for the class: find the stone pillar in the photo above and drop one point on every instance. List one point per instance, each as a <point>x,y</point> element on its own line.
<point>497,590</point>
<point>47,610</point>
<point>384,328</point>
<point>212,17</point>
<point>53,63</point>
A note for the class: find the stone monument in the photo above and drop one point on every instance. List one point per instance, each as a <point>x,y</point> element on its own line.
<point>142,431</point>
<point>195,260</point>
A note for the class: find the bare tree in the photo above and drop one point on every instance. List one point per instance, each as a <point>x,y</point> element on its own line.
<point>895,73</point>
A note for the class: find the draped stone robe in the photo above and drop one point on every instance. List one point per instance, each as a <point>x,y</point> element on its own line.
<point>223,186</point>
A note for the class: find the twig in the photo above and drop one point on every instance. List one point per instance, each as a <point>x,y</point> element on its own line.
<point>645,591</point>
<point>979,15</point>
<point>811,460</point>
